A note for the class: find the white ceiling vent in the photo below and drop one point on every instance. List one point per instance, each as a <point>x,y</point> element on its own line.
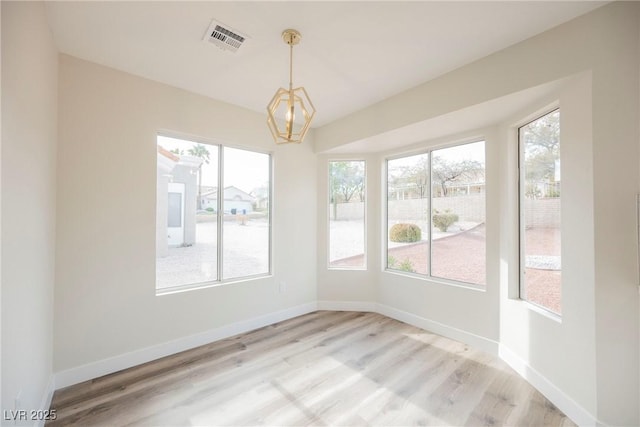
<point>225,37</point>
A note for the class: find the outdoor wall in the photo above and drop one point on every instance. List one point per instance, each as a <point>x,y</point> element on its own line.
<point>162,203</point>
<point>347,211</point>
<point>468,208</point>
<point>543,212</point>
<point>587,362</point>
<point>183,174</point>
<point>29,134</point>
<point>105,299</point>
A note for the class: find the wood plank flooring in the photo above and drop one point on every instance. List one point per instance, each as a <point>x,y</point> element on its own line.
<point>324,368</point>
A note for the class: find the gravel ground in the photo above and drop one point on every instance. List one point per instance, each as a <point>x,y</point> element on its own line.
<point>542,284</point>
<point>461,256</point>
<point>246,252</point>
<point>458,256</point>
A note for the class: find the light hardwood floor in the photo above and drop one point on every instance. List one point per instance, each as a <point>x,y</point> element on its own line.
<point>323,368</point>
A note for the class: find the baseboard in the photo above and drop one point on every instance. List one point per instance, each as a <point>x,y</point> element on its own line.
<point>347,305</point>
<point>107,366</point>
<point>476,341</point>
<point>567,405</point>
<point>45,402</point>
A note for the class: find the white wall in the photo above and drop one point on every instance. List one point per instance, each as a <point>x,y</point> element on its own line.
<point>528,333</point>
<point>105,302</point>
<point>589,360</point>
<point>1,401</point>
<point>29,134</point>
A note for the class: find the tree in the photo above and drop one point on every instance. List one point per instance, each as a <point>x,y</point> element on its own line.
<point>447,171</point>
<point>409,181</point>
<point>200,151</point>
<point>419,175</point>
<point>541,139</point>
<point>345,180</point>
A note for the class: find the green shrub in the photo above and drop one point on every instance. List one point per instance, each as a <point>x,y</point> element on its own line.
<point>210,209</point>
<point>391,261</point>
<point>407,266</point>
<point>405,233</point>
<point>442,221</point>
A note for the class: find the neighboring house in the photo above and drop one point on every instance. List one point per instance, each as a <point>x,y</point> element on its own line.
<point>209,197</point>
<point>235,200</point>
<point>177,193</point>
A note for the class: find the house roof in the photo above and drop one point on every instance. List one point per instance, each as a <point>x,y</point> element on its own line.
<point>168,154</point>
<point>212,193</point>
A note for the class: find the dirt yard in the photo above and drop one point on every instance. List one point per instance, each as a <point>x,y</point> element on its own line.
<point>462,257</point>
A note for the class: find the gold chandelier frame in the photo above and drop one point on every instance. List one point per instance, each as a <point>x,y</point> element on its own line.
<point>291,103</point>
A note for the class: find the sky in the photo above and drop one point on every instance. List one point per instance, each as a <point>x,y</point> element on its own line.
<point>472,151</point>
<point>243,169</point>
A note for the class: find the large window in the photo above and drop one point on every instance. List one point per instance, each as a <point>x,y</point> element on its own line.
<point>347,214</point>
<point>212,213</point>
<point>436,214</point>
<point>540,281</point>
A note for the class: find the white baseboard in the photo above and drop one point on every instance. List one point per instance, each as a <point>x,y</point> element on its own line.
<point>477,341</point>
<point>567,405</point>
<point>114,364</point>
<point>347,305</point>
<point>45,402</point>
<point>128,360</point>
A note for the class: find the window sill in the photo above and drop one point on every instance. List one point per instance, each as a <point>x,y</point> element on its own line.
<point>542,311</point>
<point>207,285</point>
<point>438,280</point>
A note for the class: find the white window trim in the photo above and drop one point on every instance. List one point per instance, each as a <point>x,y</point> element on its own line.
<point>520,214</point>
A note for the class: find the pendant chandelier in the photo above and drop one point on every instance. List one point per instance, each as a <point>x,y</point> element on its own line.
<point>290,111</point>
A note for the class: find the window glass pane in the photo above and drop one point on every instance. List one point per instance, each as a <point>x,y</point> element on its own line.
<point>540,212</point>
<point>408,214</point>
<point>458,213</point>
<point>186,221</point>
<point>246,225</point>
<point>346,214</point>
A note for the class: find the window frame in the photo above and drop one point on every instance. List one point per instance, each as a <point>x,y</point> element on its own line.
<point>521,172</point>
<point>385,226</point>
<point>218,147</point>
<point>365,263</point>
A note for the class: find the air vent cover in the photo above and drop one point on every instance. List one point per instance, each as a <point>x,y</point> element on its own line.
<point>225,37</point>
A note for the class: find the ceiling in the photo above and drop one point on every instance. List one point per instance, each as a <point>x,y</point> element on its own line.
<point>352,54</point>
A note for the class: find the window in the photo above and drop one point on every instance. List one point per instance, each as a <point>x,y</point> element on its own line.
<point>539,144</point>
<point>246,229</point>
<point>201,237</point>
<point>408,214</point>
<point>458,214</point>
<point>347,214</point>
<point>436,214</point>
